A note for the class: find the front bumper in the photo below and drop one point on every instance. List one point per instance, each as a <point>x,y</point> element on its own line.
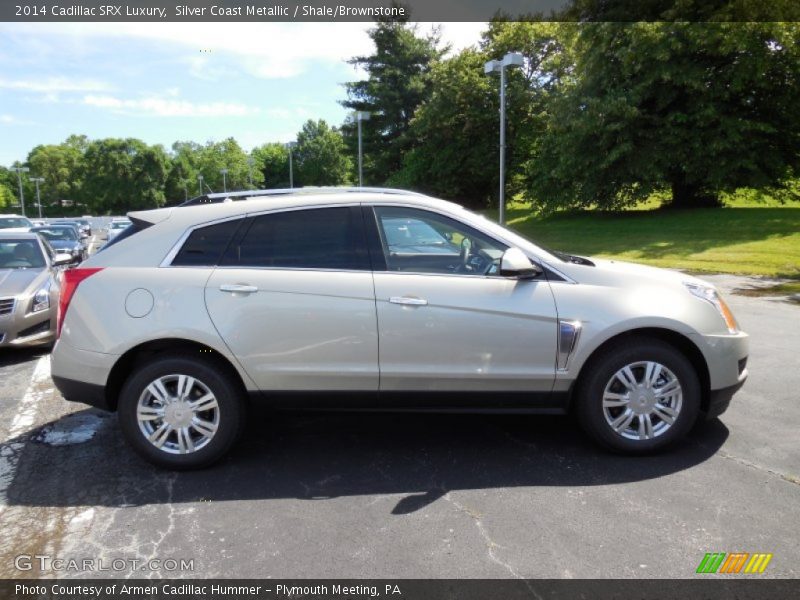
<point>21,329</point>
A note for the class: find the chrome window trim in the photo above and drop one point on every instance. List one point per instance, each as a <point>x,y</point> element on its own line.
<point>173,252</point>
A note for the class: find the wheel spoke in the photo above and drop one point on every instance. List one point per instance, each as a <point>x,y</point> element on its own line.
<point>185,385</point>
<point>665,413</point>
<point>150,413</point>
<point>622,421</point>
<point>160,435</point>
<point>668,389</point>
<point>627,378</point>
<point>207,402</point>
<point>185,443</point>
<point>612,400</point>
<point>203,427</point>
<point>158,391</point>
<point>645,427</point>
<point>652,373</point>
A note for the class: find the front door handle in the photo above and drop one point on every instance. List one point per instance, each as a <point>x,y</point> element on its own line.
<point>238,288</point>
<point>411,300</point>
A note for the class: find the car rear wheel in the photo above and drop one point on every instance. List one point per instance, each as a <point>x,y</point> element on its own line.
<point>181,412</point>
<point>639,396</point>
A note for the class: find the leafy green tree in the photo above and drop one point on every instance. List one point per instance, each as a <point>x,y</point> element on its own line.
<point>272,164</point>
<point>397,83</point>
<point>227,154</point>
<point>60,166</point>
<point>696,108</point>
<point>320,157</point>
<point>123,174</point>
<point>455,132</point>
<point>7,196</point>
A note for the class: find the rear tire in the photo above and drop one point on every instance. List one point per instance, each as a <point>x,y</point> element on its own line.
<point>640,396</point>
<point>181,412</point>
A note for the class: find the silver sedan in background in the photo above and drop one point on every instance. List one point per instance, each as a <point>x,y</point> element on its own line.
<point>30,286</point>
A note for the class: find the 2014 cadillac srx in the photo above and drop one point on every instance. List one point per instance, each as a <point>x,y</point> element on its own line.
<point>358,298</point>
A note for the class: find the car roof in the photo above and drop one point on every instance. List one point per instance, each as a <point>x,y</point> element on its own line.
<point>19,235</point>
<point>11,215</point>
<point>199,213</point>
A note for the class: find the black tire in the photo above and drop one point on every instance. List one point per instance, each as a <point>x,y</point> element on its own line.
<point>600,370</point>
<point>213,375</point>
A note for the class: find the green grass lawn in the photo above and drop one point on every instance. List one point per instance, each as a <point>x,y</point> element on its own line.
<point>745,237</point>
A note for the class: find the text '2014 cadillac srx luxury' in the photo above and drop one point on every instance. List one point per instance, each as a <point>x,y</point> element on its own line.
<point>380,299</point>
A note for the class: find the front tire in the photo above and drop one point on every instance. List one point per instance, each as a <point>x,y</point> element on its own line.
<point>639,396</point>
<point>181,412</point>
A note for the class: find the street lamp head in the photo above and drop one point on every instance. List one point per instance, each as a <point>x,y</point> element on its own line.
<point>224,171</point>
<point>290,145</point>
<point>493,66</point>
<point>362,115</point>
<point>513,59</point>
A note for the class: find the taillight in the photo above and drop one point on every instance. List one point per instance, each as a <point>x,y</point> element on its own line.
<point>72,278</point>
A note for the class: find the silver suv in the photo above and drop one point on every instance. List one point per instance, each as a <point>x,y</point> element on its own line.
<point>379,299</point>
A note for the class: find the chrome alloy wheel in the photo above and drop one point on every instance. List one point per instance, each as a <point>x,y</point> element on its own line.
<point>642,400</point>
<point>178,414</point>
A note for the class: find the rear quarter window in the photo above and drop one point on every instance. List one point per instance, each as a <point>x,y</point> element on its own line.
<point>205,245</point>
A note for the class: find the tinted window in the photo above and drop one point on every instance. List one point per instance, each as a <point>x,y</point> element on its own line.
<point>20,254</point>
<point>323,238</point>
<point>205,245</point>
<point>57,234</point>
<point>14,222</point>
<point>420,241</point>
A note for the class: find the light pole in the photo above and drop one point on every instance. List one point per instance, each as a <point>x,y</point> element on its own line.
<point>250,163</point>
<point>289,146</point>
<point>200,182</point>
<point>512,59</point>
<point>37,181</point>
<point>224,180</point>
<point>20,171</point>
<point>360,116</point>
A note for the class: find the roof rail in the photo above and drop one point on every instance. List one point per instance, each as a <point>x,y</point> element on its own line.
<point>248,194</point>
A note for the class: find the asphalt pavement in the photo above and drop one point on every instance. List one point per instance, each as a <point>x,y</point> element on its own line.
<point>409,496</point>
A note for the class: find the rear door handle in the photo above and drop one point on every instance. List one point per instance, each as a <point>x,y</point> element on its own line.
<point>412,300</point>
<point>238,288</point>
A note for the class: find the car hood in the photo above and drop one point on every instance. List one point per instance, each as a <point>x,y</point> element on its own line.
<point>16,281</point>
<point>605,271</point>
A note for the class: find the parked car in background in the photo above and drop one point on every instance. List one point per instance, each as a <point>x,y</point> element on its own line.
<point>380,299</point>
<point>64,239</point>
<point>84,230</point>
<point>116,227</point>
<point>85,225</point>
<point>29,289</point>
<point>14,223</point>
<point>38,222</point>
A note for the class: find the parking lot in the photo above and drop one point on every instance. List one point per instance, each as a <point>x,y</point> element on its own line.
<point>401,496</point>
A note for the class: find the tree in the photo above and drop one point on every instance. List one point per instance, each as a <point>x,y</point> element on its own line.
<point>123,174</point>
<point>397,83</point>
<point>7,196</point>
<point>60,166</point>
<point>455,132</point>
<point>272,164</point>
<point>697,108</point>
<point>320,157</point>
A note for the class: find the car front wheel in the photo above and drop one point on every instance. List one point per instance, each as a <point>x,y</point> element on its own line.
<point>181,412</point>
<point>639,396</point>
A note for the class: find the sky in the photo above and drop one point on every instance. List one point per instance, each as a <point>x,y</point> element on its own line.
<point>164,82</point>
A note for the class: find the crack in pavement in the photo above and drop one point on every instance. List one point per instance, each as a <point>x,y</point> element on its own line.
<point>742,461</point>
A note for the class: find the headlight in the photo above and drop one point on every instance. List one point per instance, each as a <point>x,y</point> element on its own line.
<point>709,294</point>
<point>41,300</point>
<point>77,250</point>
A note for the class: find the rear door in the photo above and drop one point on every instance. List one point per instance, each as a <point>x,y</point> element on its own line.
<point>293,299</point>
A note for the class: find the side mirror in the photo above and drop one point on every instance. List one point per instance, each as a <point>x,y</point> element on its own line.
<point>62,259</point>
<point>514,263</point>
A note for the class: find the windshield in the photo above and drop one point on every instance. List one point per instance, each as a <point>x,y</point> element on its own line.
<point>20,254</point>
<point>13,222</point>
<point>57,234</point>
<point>120,225</point>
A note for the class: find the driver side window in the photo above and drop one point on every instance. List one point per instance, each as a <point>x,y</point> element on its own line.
<point>420,241</point>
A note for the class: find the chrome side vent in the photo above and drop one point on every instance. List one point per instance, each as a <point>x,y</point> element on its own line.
<point>568,334</point>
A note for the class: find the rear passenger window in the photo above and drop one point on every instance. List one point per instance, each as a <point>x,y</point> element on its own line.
<point>205,245</point>
<point>323,238</point>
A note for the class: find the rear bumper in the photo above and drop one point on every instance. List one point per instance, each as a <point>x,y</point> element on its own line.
<point>80,391</point>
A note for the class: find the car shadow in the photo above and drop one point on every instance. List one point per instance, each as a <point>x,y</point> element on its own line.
<point>319,456</point>
<point>16,356</point>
